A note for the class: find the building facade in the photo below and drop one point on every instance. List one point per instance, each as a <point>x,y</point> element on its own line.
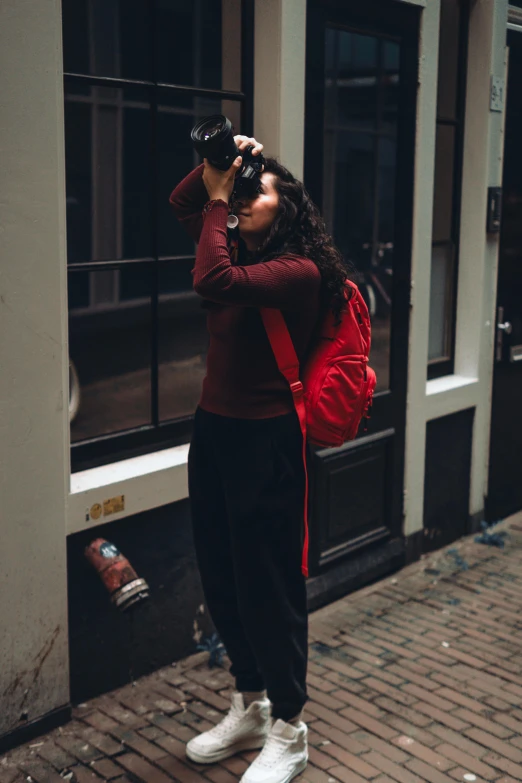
<point>404,119</point>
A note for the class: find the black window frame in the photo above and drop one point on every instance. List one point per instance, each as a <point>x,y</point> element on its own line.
<point>113,447</point>
<point>438,368</point>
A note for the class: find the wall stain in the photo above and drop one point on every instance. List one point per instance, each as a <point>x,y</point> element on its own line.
<point>29,676</point>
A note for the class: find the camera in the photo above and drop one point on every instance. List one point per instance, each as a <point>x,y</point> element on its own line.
<point>213,139</point>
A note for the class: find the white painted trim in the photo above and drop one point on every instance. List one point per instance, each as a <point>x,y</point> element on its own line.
<point>448,383</point>
<point>515,15</point>
<point>445,396</point>
<point>516,28</point>
<point>149,481</point>
<point>421,269</point>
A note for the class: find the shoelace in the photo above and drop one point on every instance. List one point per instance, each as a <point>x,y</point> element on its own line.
<point>273,750</point>
<point>230,721</point>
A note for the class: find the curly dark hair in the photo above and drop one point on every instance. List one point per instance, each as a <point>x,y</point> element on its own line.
<point>299,229</point>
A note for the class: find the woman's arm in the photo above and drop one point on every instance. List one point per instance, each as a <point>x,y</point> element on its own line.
<point>286,283</point>
<point>188,200</point>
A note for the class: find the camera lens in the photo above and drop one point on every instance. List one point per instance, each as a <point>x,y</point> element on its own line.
<point>213,139</point>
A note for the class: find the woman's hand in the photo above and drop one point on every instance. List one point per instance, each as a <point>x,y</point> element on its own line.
<point>242,142</point>
<point>220,184</point>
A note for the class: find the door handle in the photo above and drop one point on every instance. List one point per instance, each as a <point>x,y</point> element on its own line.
<point>503,327</point>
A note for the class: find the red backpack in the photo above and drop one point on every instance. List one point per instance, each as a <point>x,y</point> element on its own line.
<point>335,389</point>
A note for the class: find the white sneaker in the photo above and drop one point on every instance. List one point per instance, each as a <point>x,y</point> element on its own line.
<point>284,755</point>
<point>240,729</point>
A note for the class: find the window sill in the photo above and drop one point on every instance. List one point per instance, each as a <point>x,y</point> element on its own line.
<point>148,481</point>
<point>450,394</point>
<point>448,383</point>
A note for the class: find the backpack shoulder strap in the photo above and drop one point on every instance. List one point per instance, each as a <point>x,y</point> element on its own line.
<point>288,363</point>
<point>281,342</point>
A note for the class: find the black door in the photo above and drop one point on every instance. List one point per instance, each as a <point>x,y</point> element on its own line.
<point>505,471</point>
<point>359,146</point>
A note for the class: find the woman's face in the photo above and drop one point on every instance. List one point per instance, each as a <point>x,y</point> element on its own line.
<point>256,216</point>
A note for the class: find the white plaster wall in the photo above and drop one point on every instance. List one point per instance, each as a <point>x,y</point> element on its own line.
<point>470,386</point>
<point>33,360</point>
<point>279,83</point>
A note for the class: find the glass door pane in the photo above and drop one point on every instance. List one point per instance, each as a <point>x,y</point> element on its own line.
<point>359,172</point>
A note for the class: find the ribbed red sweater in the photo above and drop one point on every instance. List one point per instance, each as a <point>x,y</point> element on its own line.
<point>243,380</point>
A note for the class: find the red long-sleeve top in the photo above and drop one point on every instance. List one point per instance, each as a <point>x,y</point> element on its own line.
<point>243,380</point>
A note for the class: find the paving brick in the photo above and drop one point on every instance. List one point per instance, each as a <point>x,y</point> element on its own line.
<point>389,690</point>
<point>420,751</point>
<point>483,723</point>
<point>235,765</point>
<point>359,704</point>
<point>102,742</point>
<point>142,770</point>
<point>426,772</point>
<point>371,742</point>
<point>367,722</point>
<point>220,775</point>
<point>80,749</point>
<point>506,765</point>
<point>327,700</point>
<point>350,761</point>
<point>41,771</point>
<point>321,683</point>
<point>473,764</point>
<point>424,736</point>
<point>56,756</point>
<point>100,721</point>
<point>151,733</point>
<point>345,775</point>
<point>85,775</point>
<point>106,768</point>
<point>442,717</point>
<point>412,714</point>
<point>138,744</point>
<point>495,744</point>
<point>320,759</point>
<point>394,771</point>
<point>346,741</point>
<point>330,717</point>
<point>179,771</point>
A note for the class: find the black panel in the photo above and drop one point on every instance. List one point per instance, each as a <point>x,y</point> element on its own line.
<point>109,649</point>
<point>447,479</point>
<point>351,498</point>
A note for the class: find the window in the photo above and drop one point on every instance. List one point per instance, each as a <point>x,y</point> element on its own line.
<point>447,187</point>
<point>138,75</point>
<point>362,84</point>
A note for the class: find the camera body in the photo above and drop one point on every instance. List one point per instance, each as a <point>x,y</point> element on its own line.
<point>213,139</point>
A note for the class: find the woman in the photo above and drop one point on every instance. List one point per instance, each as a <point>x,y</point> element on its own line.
<point>246,473</point>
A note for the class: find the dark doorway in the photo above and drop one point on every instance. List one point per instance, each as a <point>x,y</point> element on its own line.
<point>505,473</point>
<point>359,162</point>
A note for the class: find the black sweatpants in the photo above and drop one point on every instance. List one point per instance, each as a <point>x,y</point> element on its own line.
<point>246,482</point>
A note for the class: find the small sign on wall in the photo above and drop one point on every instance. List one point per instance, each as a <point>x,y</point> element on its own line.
<point>497,93</point>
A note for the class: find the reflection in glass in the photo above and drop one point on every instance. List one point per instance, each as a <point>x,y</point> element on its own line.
<point>110,170</point>
<point>440,299</point>
<point>196,43</point>
<point>177,158</point>
<point>115,389</point>
<point>183,342</point>
<point>443,187</point>
<point>360,128</point>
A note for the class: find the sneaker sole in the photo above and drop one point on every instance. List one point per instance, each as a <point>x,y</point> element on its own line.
<point>297,771</point>
<point>219,755</point>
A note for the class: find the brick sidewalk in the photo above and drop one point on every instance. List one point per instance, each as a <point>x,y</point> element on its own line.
<point>417,678</point>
